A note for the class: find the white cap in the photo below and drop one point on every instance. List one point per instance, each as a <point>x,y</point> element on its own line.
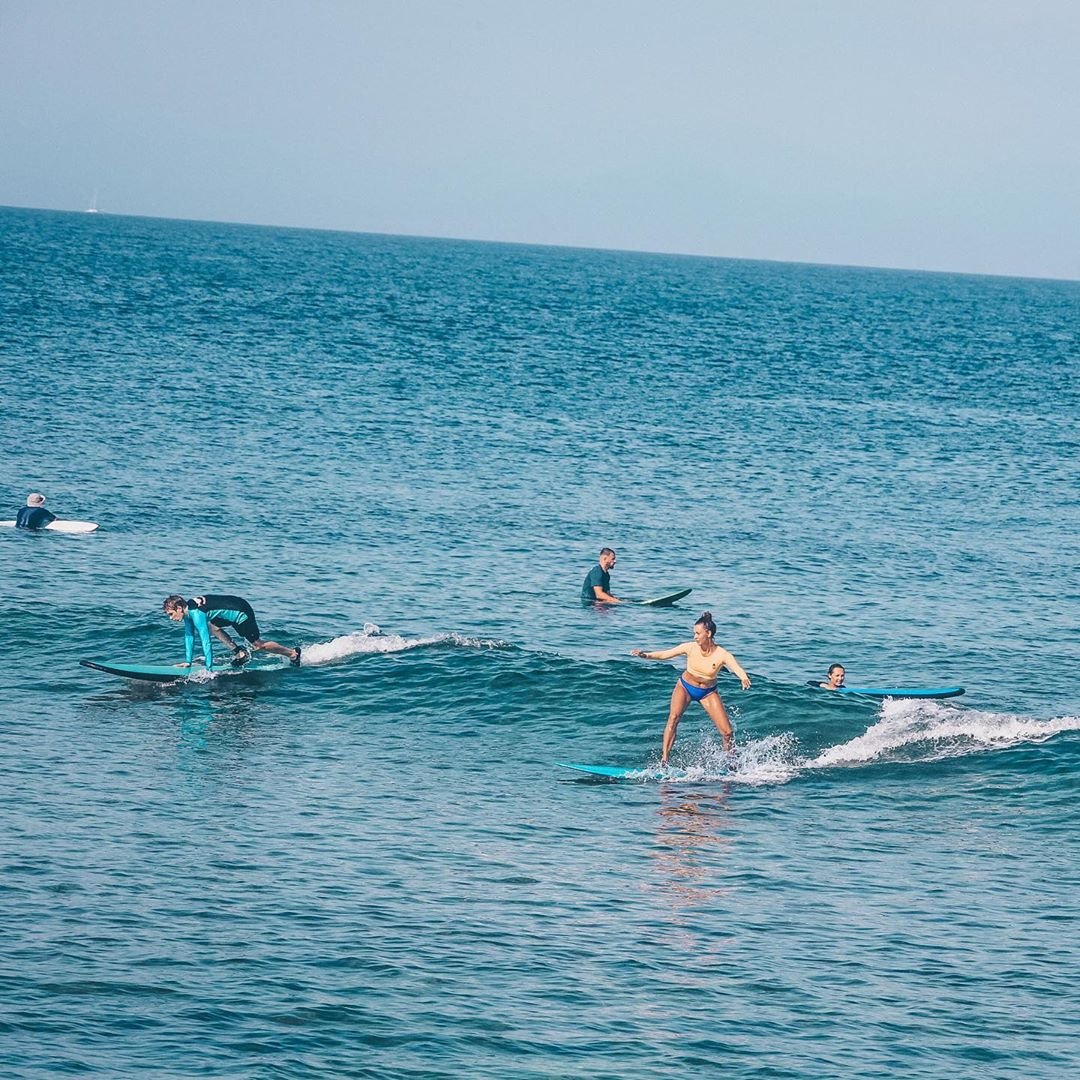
<point>35,499</point>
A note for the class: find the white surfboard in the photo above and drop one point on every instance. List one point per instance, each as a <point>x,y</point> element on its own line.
<point>60,526</point>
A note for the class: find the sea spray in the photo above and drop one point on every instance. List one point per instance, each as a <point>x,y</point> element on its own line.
<point>931,731</point>
<point>372,640</point>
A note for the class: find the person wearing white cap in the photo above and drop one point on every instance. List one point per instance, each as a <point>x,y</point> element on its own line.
<point>34,515</point>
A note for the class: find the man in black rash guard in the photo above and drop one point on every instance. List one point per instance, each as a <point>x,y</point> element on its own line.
<point>34,515</point>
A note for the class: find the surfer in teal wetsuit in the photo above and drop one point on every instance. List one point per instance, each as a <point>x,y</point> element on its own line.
<point>597,586</point>
<point>704,661</point>
<point>209,615</point>
<point>34,515</point>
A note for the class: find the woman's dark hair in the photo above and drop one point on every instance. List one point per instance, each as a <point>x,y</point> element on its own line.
<point>706,620</point>
<point>174,601</point>
<point>833,667</point>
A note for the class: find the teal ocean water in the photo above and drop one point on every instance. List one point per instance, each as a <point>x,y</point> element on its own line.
<point>406,454</point>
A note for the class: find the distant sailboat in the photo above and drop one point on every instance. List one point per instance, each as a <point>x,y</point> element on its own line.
<point>92,208</point>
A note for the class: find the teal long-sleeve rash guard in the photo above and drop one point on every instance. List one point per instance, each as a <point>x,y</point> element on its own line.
<point>197,620</point>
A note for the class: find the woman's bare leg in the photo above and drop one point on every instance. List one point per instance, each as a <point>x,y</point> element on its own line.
<point>679,700</point>
<point>718,714</point>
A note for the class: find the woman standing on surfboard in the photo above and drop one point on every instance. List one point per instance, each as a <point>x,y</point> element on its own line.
<point>704,660</point>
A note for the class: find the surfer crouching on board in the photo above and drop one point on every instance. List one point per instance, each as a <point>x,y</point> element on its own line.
<point>597,586</point>
<point>34,515</point>
<point>704,659</point>
<point>835,679</point>
<point>208,615</point>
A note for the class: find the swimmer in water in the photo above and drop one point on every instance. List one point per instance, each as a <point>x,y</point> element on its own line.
<point>704,661</point>
<point>836,678</point>
<point>597,587</point>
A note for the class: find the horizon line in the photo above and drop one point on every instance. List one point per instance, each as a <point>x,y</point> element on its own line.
<point>98,212</point>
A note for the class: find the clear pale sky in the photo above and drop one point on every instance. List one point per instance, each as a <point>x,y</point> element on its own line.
<point>933,134</point>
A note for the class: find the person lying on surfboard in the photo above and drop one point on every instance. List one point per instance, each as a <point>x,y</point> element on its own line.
<point>704,660</point>
<point>597,586</point>
<point>836,678</point>
<point>208,615</point>
<point>34,515</point>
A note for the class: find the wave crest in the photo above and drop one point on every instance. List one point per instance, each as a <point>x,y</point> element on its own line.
<point>372,640</point>
<point>952,731</point>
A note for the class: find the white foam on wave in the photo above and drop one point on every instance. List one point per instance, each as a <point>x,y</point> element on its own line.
<point>372,640</point>
<point>771,760</point>
<point>908,729</point>
<point>949,729</point>
<point>774,759</point>
<point>228,672</point>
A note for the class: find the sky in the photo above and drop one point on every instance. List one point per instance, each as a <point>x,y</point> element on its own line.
<point>921,134</point>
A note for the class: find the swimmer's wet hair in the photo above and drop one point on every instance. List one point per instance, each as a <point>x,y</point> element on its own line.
<point>706,620</point>
<point>833,667</point>
<point>176,600</point>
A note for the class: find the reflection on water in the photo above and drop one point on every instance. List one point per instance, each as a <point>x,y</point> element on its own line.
<point>693,835</point>
<point>693,844</point>
<point>199,730</point>
<point>217,731</point>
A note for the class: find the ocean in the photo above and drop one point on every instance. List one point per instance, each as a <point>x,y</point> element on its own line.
<point>406,453</point>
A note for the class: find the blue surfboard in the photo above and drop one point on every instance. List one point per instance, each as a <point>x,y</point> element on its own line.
<point>896,691</point>
<point>614,772</point>
<point>162,673</point>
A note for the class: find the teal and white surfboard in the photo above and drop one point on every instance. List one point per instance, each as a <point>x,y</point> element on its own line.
<point>165,673</point>
<point>614,772</point>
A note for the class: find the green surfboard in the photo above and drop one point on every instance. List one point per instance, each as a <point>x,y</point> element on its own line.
<point>166,673</point>
<point>666,600</point>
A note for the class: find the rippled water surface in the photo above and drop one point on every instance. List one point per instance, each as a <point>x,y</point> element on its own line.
<point>406,454</point>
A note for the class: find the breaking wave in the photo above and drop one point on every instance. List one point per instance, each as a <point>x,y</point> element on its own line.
<point>372,640</point>
<point>931,731</point>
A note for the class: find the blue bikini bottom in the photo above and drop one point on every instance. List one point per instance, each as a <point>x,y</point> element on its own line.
<point>697,692</point>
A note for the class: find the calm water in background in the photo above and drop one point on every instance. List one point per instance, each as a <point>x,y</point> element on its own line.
<point>406,454</point>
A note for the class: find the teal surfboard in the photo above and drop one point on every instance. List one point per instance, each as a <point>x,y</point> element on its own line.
<point>897,691</point>
<point>613,772</point>
<point>164,673</point>
<point>666,600</point>
<point>147,672</point>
